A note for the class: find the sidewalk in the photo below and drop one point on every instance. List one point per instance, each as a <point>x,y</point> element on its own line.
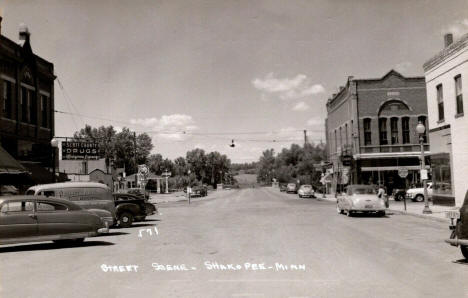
<point>182,196</point>
<point>412,208</point>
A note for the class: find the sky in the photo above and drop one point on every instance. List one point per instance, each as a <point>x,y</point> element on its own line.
<point>203,73</point>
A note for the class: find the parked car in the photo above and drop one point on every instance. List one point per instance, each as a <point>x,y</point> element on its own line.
<point>399,194</point>
<point>360,199</point>
<point>130,208</point>
<point>38,218</point>
<point>137,192</point>
<point>199,191</point>
<point>459,227</point>
<point>417,194</point>
<point>306,190</point>
<point>89,195</point>
<point>291,188</point>
<point>282,187</point>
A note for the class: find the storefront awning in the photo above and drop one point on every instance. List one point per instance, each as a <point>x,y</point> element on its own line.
<point>9,165</point>
<point>389,155</point>
<point>390,168</point>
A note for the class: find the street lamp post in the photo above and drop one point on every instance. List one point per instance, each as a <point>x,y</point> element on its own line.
<point>189,190</point>
<point>54,144</point>
<point>420,128</point>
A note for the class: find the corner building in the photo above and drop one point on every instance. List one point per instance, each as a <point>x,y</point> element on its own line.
<point>371,131</point>
<point>26,105</point>
<point>446,80</point>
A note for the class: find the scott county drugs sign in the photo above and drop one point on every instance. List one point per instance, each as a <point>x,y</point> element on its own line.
<point>80,150</point>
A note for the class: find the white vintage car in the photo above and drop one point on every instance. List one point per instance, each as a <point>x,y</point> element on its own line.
<point>417,194</point>
<point>360,199</point>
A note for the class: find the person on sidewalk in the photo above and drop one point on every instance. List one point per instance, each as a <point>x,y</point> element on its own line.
<point>381,194</point>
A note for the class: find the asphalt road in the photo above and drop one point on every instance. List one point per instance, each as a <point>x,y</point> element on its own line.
<point>326,254</point>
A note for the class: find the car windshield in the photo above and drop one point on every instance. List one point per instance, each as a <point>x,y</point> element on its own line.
<point>363,191</point>
<point>291,185</point>
<point>306,187</point>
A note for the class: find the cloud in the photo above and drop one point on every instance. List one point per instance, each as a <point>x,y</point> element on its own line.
<point>315,122</point>
<point>300,106</point>
<point>457,28</point>
<point>287,88</point>
<point>403,67</point>
<point>171,127</point>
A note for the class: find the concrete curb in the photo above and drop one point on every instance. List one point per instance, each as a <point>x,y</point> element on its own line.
<point>438,219</point>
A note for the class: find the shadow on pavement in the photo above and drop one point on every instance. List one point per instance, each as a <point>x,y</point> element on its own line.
<point>364,215</point>
<point>113,234</point>
<point>461,262</point>
<point>50,246</point>
<point>139,225</point>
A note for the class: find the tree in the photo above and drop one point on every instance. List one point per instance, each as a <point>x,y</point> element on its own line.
<point>119,147</point>
<point>196,161</point>
<point>104,136</point>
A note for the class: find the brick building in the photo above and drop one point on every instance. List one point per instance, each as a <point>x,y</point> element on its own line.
<point>371,130</point>
<point>26,104</point>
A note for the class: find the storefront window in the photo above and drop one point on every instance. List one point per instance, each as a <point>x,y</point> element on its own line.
<point>442,180</point>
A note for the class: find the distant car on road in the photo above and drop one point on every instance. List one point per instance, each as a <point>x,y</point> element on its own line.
<point>130,208</point>
<point>417,194</point>
<point>38,218</point>
<point>291,188</point>
<point>399,194</point>
<point>306,190</point>
<point>360,199</point>
<point>282,187</point>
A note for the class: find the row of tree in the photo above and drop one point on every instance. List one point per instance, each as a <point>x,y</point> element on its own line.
<point>119,150</point>
<point>291,164</point>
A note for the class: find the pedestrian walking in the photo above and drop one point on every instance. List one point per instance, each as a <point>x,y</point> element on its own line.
<point>381,193</point>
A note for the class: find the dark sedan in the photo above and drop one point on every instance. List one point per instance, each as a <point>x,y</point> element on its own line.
<point>37,218</point>
<point>130,208</point>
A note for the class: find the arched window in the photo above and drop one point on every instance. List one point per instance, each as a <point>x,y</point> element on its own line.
<point>383,131</point>
<point>394,130</point>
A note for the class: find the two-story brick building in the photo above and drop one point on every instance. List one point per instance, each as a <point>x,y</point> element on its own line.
<point>26,103</point>
<point>371,130</point>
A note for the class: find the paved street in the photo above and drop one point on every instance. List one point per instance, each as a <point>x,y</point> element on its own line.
<point>395,256</point>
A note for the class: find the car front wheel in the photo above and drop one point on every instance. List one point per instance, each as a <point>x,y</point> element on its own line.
<point>464,251</point>
<point>125,220</point>
<point>419,198</point>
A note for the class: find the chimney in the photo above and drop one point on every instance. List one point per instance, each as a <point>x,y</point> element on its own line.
<point>24,33</point>
<point>448,39</point>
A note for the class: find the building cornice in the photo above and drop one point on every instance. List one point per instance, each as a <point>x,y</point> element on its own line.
<point>448,51</point>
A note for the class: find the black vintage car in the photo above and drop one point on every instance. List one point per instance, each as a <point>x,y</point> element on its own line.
<point>399,194</point>
<point>459,227</point>
<point>130,208</point>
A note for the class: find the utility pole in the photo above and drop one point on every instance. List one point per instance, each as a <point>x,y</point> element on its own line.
<point>135,156</point>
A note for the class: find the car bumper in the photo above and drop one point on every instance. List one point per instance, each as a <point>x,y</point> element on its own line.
<point>108,221</point>
<point>374,209</point>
